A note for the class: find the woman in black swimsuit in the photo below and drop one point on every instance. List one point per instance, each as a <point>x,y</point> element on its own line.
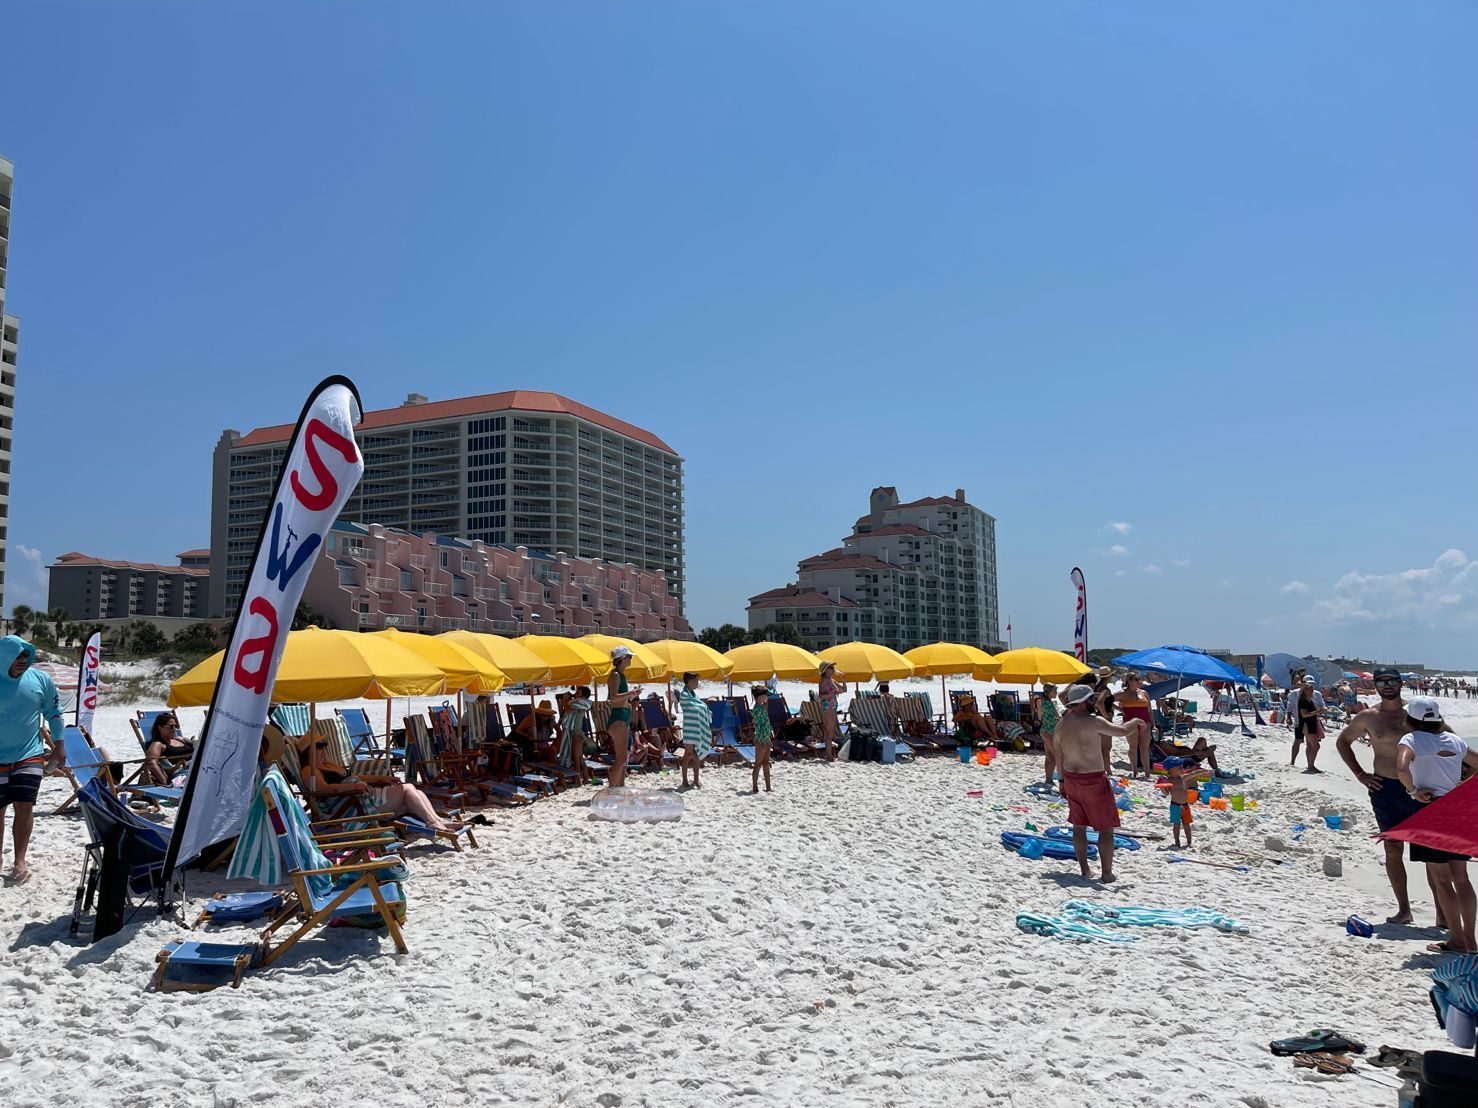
<point>1308,727</point>
<point>165,742</point>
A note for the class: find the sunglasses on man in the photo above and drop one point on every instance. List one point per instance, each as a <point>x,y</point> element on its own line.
<point>1387,682</point>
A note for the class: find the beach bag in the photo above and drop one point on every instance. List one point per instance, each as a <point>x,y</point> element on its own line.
<point>1448,1080</point>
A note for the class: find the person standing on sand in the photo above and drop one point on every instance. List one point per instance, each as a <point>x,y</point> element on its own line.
<point>830,685</point>
<point>1134,704</point>
<point>1384,725</point>
<point>26,695</point>
<point>1084,740</point>
<point>1430,762</point>
<point>697,728</point>
<point>1047,714</point>
<point>618,726</point>
<point>1307,728</point>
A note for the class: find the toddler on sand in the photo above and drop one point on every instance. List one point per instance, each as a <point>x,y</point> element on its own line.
<point>1182,772</point>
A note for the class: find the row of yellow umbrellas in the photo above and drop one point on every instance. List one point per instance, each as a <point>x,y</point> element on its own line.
<point>323,665</point>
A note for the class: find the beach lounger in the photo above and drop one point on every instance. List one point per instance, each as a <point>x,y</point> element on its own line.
<point>277,846</point>
<point>728,743</point>
<point>85,762</point>
<point>362,735</point>
<point>293,720</point>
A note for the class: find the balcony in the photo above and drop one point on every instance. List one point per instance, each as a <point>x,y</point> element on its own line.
<point>384,584</point>
<point>433,588</point>
<point>420,561</point>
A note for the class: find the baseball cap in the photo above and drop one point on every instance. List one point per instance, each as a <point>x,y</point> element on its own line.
<point>1076,694</point>
<point>1175,762</point>
<point>1386,671</point>
<point>1309,679</point>
<point>1424,708</point>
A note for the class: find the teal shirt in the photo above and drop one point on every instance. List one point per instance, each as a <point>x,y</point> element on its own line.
<point>24,702</point>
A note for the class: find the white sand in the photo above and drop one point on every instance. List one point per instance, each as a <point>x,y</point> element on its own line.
<point>848,939</point>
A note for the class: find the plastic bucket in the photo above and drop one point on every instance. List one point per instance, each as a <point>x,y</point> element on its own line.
<point>1334,823</point>
<point>965,752</point>
<point>983,757</point>
<point>1238,802</point>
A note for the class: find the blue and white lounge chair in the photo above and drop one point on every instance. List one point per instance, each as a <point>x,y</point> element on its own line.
<point>726,740</point>
<point>204,963</point>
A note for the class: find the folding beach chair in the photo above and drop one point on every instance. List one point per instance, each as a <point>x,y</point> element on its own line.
<point>437,775</point>
<point>143,728</point>
<point>362,735</point>
<point>728,743</point>
<point>122,844</point>
<point>277,845</point>
<point>85,762</point>
<point>916,722</point>
<point>294,720</point>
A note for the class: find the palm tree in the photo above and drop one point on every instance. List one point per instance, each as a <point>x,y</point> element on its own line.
<point>22,619</point>
<point>59,617</point>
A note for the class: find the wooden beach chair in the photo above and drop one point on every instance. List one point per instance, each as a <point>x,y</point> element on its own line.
<point>321,890</point>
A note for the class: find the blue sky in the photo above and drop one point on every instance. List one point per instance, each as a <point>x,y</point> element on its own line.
<point>1206,272</point>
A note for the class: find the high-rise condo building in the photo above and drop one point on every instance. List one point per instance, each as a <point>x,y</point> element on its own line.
<point>909,574</point>
<point>518,468</point>
<point>9,338</point>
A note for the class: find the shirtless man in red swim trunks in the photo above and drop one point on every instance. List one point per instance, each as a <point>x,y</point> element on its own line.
<point>1084,739</point>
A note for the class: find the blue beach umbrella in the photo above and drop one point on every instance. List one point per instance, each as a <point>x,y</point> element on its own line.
<point>1183,663</point>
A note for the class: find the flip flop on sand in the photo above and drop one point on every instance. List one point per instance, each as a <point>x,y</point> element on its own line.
<point>1335,1065</point>
<point>1396,1058</point>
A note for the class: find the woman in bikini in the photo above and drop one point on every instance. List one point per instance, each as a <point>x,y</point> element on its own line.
<point>389,795</point>
<point>831,684</point>
<point>619,725</point>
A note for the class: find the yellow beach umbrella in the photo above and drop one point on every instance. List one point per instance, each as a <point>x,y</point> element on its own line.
<point>762,660</point>
<point>645,665</point>
<point>1026,665</point>
<point>863,660</point>
<point>570,661</point>
<point>683,657</point>
<point>951,659</point>
<point>517,662</point>
<point>318,664</point>
<point>464,669</point>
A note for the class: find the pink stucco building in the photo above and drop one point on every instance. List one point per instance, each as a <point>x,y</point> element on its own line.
<point>373,577</point>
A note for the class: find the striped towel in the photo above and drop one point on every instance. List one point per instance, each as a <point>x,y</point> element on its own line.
<point>335,732</point>
<point>294,719</point>
<point>266,837</point>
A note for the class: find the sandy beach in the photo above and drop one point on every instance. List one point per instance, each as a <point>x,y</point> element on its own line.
<point>849,939</point>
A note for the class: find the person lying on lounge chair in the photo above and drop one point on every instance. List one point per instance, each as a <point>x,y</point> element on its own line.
<point>1164,747</point>
<point>388,795</point>
<point>974,726</point>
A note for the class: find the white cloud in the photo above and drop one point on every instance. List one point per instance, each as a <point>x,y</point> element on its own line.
<point>1294,587</point>
<point>28,586</point>
<point>1152,568</point>
<point>1121,528</point>
<point>1442,595</point>
<point>1180,563</point>
<point>1116,551</point>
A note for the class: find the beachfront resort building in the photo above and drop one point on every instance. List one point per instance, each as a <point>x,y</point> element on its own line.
<point>909,574</point>
<point>92,590</point>
<point>518,468</point>
<point>9,339</point>
<point>372,577</point>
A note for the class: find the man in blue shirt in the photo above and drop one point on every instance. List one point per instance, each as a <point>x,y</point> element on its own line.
<point>26,696</point>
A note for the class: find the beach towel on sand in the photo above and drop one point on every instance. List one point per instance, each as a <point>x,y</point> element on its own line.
<point>1070,930</point>
<point>1130,915</point>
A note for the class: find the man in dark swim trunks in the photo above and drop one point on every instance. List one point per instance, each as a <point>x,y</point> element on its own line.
<point>1384,725</point>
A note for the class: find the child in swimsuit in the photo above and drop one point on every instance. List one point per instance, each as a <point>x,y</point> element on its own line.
<point>1182,772</point>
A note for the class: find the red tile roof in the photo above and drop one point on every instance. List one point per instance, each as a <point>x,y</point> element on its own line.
<point>827,555</point>
<point>73,558</point>
<point>852,561</point>
<point>797,598</point>
<point>516,400</point>
<point>194,554</point>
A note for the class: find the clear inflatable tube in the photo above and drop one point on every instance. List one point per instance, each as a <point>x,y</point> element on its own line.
<point>625,805</point>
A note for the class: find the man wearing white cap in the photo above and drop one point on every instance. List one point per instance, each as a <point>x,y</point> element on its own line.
<point>1084,740</point>
<point>1304,705</point>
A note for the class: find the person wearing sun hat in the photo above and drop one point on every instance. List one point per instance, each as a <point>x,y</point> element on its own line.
<point>1430,762</point>
<point>1084,740</point>
<point>830,684</point>
<point>618,727</point>
<point>1307,704</point>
